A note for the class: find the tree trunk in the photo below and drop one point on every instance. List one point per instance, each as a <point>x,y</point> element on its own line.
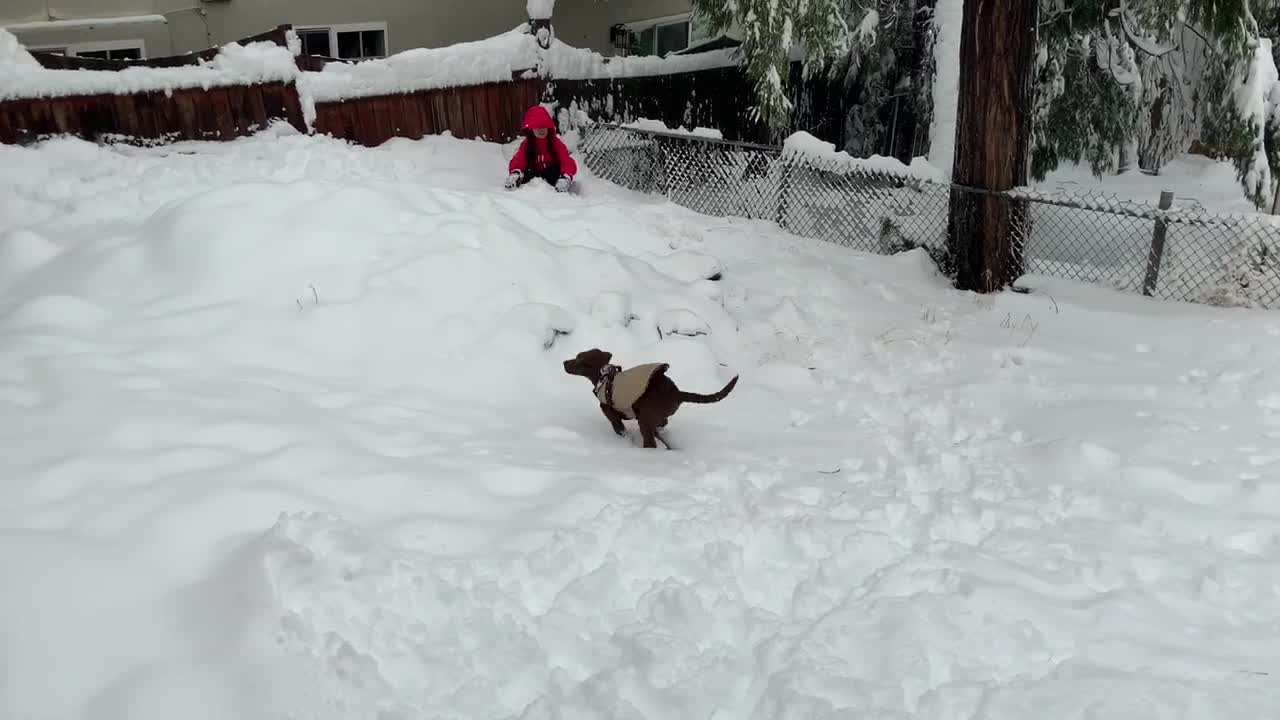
<point>985,229</point>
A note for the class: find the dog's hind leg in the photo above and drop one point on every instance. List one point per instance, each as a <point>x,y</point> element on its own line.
<point>658,435</point>
<point>648,432</point>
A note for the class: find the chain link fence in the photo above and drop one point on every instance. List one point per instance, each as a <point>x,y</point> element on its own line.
<point>1175,253</point>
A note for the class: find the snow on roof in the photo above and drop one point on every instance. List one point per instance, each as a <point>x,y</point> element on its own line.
<point>22,77</point>
<point>85,22</point>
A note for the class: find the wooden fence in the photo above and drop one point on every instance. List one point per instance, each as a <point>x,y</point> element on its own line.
<point>219,113</point>
<point>491,111</point>
<point>216,113</point>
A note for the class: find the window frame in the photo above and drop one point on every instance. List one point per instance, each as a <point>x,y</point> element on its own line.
<point>636,27</point>
<point>334,29</point>
<point>75,49</point>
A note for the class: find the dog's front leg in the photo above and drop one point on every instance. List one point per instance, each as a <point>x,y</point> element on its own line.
<point>615,419</point>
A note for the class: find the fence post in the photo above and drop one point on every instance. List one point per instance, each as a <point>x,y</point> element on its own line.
<point>1157,245</point>
<point>784,187</point>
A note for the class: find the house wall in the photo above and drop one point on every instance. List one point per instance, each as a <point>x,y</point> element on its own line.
<point>182,30</point>
<point>586,23</point>
<point>410,23</point>
<point>155,36</point>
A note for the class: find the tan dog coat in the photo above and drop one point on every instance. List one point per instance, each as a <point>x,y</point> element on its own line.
<point>628,386</point>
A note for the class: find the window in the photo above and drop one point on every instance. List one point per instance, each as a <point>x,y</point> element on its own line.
<point>120,54</point>
<point>672,37</point>
<point>661,35</point>
<point>362,44</point>
<point>109,50</point>
<point>346,42</point>
<point>315,42</point>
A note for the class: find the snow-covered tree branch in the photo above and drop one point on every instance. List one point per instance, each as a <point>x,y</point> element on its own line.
<point>771,29</point>
<point>1126,80</point>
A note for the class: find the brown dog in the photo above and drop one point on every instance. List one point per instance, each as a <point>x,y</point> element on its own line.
<point>643,393</point>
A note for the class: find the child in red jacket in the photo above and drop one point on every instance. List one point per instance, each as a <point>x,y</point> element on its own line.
<point>541,154</point>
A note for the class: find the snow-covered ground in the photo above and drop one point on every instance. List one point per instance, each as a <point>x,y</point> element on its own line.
<point>283,439</point>
<point>1196,181</point>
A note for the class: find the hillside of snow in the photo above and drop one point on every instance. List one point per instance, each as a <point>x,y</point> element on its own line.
<point>287,435</point>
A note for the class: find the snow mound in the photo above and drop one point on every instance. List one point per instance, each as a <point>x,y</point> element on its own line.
<point>680,321</point>
<point>287,434</point>
<point>612,309</point>
<point>22,252</point>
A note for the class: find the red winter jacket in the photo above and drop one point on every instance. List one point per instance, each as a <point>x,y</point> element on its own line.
<point>538,155</point>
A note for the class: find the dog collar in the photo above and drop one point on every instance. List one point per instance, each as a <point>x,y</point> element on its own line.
<point>605,383</point>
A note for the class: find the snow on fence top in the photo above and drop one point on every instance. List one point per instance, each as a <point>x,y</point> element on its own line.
<point>494,59</point>
<point>563,62</point>
<point>657,126</point>
<point>824,154</point>
<point>21,76</point>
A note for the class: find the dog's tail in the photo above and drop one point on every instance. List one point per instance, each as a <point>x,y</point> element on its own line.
<point>699,398</point>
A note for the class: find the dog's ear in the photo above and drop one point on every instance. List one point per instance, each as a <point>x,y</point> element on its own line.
<point>595,357</point>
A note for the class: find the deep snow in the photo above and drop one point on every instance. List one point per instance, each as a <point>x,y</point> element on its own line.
<point>282,439</point>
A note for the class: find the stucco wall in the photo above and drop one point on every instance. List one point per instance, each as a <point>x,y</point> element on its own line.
<point>22,11</point>
<point>156,36</point>
<point>410,23</point>
<point>586,23</point>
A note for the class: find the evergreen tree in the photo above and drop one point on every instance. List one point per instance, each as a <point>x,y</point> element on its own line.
<point>885,75</point>
<point>770,29</point>
<point>1124,81</point>
<point>876,53</point>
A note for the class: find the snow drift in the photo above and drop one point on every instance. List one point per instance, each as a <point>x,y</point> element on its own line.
<point>286,435</point>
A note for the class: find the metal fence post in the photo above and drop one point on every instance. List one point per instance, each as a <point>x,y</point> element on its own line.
<point>784,186</point>
<point>663,165</point>
<point>1157,245</point>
